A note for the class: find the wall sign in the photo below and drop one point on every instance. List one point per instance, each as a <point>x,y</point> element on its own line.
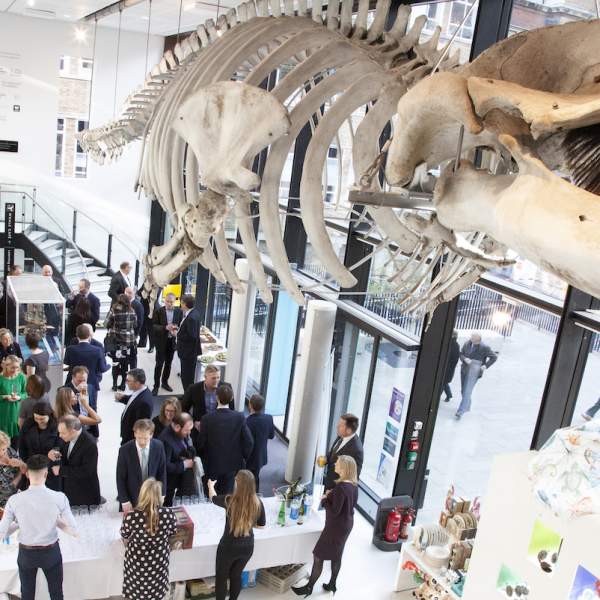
<point>9,228</point>
<point>9,146</point>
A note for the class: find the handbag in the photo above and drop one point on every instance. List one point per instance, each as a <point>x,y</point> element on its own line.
<point>110,343</point>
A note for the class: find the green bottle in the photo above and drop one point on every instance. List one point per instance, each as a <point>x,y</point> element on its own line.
<point>281,515</point>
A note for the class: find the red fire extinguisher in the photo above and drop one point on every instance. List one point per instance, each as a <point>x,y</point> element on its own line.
<point>407,519</point>
<point>392,527</point>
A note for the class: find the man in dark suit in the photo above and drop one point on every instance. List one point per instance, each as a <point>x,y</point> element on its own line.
<point>138,405</point>
<point>84,292</point>
<point>89,355</point>
<point>262,429</point>
<point>79,466</point>
<point>120,280</point>
<point>179,452</point>
<point>226,442</point>
<point>347,443</point>
<point>188,341</point>
<point>201,398</point>
<point>165,322</point>
<point>139,459</point>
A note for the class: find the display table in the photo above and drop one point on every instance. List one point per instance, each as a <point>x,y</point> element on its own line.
<point>93,564</point>
<point>405,578</point>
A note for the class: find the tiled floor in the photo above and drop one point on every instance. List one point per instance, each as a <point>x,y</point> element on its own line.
<point>367,573</point>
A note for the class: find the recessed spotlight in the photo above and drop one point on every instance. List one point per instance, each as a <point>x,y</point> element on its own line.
<point>80,34</point>
<point>145,18</point>
<point>67,16</point>
<point>189,6</point>
<point>30,2</point>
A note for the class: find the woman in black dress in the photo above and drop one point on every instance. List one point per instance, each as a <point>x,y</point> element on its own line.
<point>40,436</point>
<point>146,531</point>
<point>81,313</point>
<point>244,511</point>
<point>170,408</point>
<point>37,362</point>
<point>339,506</point>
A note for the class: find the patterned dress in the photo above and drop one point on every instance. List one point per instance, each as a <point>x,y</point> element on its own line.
<point>146,575</point>
<point>7,476</point>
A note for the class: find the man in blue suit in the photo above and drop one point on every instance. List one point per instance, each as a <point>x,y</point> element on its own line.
<point>84,292</point>
<point>89,355</point>
<point>139,403</point>
<point>139,459</point>
<point>225,440</point>
<point>262,429</point>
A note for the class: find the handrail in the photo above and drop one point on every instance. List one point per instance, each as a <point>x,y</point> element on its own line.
<point>134,253</point>
<point>66,236</point>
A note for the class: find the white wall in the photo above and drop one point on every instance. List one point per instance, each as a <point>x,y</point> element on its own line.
<point>35,46</point>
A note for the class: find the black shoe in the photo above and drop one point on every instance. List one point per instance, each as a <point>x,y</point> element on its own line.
<point>150,350</point>
<point>330,587</point>
<point>305,590</point>
<point>114,388</point>
<point>447,398</point>
<point>122,387</point>
<point>165,386</point>
<point>155,391</point>
<point>102,500</point>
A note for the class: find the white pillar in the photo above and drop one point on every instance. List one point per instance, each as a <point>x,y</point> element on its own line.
<point>312,390</point>
<point>240,328</point>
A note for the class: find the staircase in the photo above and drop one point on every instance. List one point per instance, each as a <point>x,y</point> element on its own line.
<point>75,267</point>
<point>56,233</point>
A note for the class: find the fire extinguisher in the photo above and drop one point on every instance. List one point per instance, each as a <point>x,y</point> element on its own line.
<point>407,519</point>
<point>392,527</point>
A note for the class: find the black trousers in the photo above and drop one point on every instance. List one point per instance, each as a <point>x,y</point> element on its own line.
<point>47,559</point>
<point>447,390</point>
<point>188,371</point>
<point>256,473</point>
<point>164,358</point>
<point>232,557</point>
<point>146,334</point>
<point>225,483</point>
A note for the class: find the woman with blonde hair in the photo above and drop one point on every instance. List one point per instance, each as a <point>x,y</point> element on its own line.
<point>339,506</point>
<point>12,390</point>
<point>244,510</point>
<point>11,469</point>
<point>146,531</point>
<point>169,409</point>
<point>67,403</point>
<point>8,346</point>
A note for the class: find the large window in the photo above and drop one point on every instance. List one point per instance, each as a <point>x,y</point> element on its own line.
<point>221,305</point>
<point>74,88</point>
<point>505,401</point>
<point>532,14</point>
<point>257,344</point>
<point>588,400</point>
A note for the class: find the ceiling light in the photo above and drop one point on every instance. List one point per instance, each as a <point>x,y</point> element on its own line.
<point>189,6</point>
<point>145,18</point>
<point>80,34</point>
<point>30,2</point>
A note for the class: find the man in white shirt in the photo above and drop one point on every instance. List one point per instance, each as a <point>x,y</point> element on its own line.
<point>37,513</point>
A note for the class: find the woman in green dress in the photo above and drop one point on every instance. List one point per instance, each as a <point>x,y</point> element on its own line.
<point>12,391</point>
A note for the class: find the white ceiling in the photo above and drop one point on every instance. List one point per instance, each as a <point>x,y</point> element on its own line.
<point>164,20</point>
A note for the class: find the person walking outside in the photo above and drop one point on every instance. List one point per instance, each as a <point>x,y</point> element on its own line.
<point>38,512</point>
<point>244,511</point>
<point>453,356</point>
<point>146,532</point>
<point>339,506</point>
<point>475,357</point>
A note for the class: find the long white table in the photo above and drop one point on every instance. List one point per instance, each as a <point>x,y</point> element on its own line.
<point>93,565</point>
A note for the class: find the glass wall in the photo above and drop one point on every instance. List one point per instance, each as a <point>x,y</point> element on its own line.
<point>588,400</point>
<point>221,305</point>
<point>505,399</point>
<point>257,345</point>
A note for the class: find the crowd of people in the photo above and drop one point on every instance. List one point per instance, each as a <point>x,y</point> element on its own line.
<point>197,444</point>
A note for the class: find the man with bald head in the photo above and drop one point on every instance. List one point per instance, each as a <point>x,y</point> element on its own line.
<point>475,357</point>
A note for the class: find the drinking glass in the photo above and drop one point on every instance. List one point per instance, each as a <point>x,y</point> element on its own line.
<point>186,501</point>
<point>177,501</point>
<point>195,499</point>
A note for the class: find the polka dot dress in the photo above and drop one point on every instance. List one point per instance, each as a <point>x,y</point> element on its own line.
<point>146,575</point>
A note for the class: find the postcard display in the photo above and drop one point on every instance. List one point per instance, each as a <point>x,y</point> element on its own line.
<point>524,550</point>
<point>40,308</point>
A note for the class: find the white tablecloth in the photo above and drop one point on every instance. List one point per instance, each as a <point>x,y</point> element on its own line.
<point>93,565</point>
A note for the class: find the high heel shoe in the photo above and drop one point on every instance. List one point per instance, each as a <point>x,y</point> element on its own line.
<point>305,590</point>
<point>330,587</point>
